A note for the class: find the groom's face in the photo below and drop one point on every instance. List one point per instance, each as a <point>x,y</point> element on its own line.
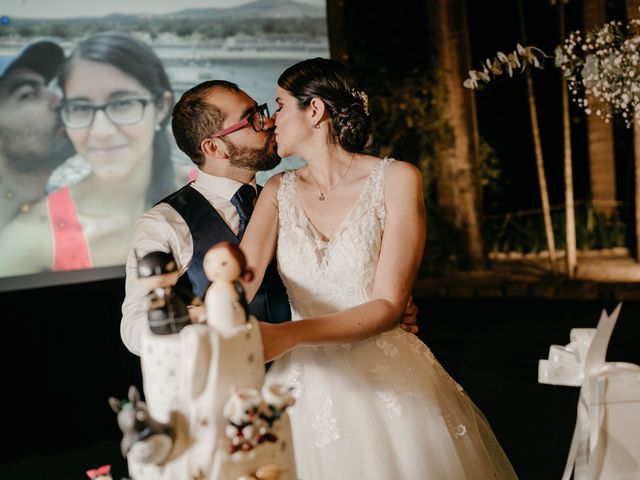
<point>247,148</point>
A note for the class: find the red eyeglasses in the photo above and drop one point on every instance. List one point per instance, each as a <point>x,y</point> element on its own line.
<point>256,119</point>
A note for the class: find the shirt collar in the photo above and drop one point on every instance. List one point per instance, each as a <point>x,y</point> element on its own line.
<point>221,186</point>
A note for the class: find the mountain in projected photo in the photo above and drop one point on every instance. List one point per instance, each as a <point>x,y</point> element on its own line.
<point>260,18</point>
<point>258,9</point>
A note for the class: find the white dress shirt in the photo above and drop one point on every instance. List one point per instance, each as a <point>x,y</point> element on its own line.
<point>161,228</point>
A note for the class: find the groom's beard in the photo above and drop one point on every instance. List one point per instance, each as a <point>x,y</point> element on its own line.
<point>257,159</point>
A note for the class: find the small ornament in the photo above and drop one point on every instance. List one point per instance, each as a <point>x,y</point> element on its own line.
<point>363,97</point>
<point>144,439</point>
<point>276,400</point>
<point>241,412</point>
<point>100,473</point>
<point>167,304</point>
<point>321,197</point>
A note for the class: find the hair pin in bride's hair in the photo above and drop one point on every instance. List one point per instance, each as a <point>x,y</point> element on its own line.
<point>359,94</point>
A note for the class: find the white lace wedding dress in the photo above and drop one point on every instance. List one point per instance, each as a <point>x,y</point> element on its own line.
<point>382,408</point>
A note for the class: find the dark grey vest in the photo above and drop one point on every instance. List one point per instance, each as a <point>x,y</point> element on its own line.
<point>208,228</point>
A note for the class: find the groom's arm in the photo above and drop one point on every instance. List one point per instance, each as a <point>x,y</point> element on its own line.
<point>158,229</point>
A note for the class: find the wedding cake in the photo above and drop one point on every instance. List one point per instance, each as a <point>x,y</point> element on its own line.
<point>208,414</point>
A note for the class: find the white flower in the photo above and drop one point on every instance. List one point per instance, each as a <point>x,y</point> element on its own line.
<point>559,56</point>
<point>472,81</point>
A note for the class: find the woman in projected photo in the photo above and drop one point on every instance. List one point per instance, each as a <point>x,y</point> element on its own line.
<point>349,231</point>
<point>117,102</point>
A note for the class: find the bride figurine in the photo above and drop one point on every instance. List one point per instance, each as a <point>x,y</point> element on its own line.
<point>225,301</point>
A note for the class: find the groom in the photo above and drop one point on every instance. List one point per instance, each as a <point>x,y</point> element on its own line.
<point>229,137</point>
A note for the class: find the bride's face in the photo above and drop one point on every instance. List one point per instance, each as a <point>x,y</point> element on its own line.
<point>293,127</point>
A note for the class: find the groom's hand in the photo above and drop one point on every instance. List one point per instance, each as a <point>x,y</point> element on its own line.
<point>409,320</point>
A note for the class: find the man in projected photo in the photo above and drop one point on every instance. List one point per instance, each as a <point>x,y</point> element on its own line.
<point>32,141</point>
<point>229,137</point>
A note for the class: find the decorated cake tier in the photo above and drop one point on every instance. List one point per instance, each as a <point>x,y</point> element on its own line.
<point>208,414</point>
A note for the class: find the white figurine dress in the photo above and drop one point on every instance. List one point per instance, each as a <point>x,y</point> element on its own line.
<point>383,408</point>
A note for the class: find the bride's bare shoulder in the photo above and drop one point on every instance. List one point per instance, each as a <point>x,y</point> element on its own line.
<point>402,176</point>
<point>365,164</point>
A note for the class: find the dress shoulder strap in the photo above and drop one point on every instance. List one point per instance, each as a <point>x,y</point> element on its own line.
<point>377,180</point>
<point>286,193</point>
<point>376,188</point>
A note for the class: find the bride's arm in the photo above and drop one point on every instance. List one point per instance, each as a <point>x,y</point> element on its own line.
<point>259,240</point>
<point>401,252</point>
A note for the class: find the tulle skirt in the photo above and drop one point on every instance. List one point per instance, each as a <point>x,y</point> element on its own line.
<point>384,408</point>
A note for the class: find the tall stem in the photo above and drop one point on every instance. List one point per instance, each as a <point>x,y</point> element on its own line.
<point>535,130</point>
<point>570,225</point>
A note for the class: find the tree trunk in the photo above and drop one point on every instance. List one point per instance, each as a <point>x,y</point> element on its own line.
<point>602,167</point>
<point>458,182</point>
<point>632,12</point>
<point>570,225</point>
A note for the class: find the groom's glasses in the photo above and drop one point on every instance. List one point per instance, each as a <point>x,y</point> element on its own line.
<point>256,119</point>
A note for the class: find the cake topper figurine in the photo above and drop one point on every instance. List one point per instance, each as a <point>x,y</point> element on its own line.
<point>167,307</point>
<point>241,412</point>
<point>144,439</point>
<point>225,300</point>
<point>276,399</point>
<point>188,427</point>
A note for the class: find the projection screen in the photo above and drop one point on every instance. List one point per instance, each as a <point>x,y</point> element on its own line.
<point>48,187</point>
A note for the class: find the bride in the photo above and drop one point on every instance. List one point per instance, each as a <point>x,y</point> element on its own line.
<point>349,231</point>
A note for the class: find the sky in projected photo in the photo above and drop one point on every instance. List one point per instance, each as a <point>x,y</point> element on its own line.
<point>246,42</point>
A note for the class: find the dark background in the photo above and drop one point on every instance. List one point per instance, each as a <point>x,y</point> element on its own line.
<point>397,40</point>
<point>62,356</point>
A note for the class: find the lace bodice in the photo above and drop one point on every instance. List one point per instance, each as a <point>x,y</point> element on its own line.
<point>378,408</point>
<point>322,276</point>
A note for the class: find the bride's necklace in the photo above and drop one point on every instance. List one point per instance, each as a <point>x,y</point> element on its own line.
<point>321,197</point>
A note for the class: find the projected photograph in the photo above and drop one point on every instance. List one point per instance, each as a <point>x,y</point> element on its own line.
<point>86,146</point>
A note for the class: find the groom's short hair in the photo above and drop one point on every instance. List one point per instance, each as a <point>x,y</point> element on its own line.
<point>193,118</point>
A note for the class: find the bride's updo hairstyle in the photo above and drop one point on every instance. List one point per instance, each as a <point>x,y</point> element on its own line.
<point>331,82</point>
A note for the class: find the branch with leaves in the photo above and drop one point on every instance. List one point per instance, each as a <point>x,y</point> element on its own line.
<point>602,69</point>
<point>505,63</point>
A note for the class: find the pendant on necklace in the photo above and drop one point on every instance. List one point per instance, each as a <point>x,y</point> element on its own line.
<point>321,197</point>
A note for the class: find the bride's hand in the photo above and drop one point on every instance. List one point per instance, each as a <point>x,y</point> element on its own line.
<point>275,340</point>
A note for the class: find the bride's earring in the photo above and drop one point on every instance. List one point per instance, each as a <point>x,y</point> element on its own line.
<point>316,125</point>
